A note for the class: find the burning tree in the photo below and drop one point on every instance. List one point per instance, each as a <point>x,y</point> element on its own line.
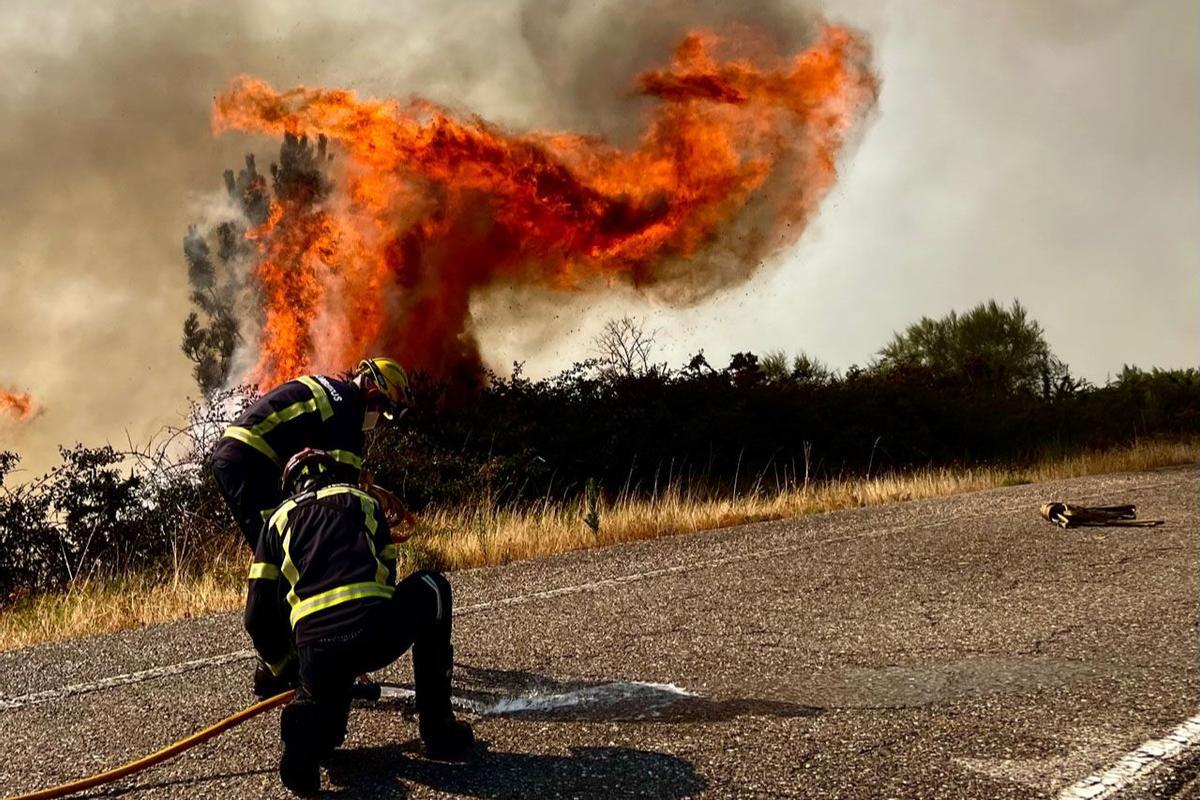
<point>383,253</point>
<point>222,274</point>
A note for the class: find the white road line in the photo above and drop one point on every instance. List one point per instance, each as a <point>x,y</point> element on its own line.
<point>1138,764</point>
<point>10,703</point>
<point>20,701</point>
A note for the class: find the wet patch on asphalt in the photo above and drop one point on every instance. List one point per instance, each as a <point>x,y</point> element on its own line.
<point>534,696</point>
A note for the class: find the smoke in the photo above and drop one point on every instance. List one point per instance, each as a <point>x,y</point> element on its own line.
<point>589,52</point>
<point>1044,151</point>
<point>109,157</point>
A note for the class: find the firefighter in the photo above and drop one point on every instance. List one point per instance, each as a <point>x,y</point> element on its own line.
<point>310,411</point>
<point>327,564</point>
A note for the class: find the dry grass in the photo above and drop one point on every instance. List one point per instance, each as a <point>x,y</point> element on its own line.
<point>469,537</point>
<point>461,538</point>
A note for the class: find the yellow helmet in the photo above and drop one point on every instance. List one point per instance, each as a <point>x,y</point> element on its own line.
<point>390,378</point>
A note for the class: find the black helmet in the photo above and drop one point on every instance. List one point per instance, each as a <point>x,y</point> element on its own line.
<point>309,464</point>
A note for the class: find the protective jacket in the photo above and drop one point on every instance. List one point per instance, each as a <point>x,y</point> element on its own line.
<point>310,411</point>
<point>323,564</point>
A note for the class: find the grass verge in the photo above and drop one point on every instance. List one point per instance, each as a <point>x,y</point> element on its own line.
<point>459,538</point>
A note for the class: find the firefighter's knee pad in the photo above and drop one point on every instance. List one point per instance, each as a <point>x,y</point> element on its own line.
<point>442,595</point>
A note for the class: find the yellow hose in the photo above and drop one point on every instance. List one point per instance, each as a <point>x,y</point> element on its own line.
<point>162,755</point>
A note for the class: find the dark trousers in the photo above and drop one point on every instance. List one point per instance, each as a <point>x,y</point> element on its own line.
<point>249,482</point>
<point>419,616</point>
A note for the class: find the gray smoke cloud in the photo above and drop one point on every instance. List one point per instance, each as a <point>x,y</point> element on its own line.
<point>1044,151</point>
<point>108,157</point>
<point>1041,151</point>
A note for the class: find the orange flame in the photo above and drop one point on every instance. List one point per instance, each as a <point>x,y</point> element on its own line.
<point>17,405</point>
<point>430,207</point>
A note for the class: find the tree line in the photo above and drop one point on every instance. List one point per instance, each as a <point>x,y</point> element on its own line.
<point>980,387</point>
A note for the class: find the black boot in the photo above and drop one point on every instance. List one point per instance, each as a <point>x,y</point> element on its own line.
<point>335,718</point>
<point>445,737</point>
<point>300,728</point>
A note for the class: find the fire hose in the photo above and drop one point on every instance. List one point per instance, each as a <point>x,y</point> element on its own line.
<point>364,690</point>
<point>170,751</point>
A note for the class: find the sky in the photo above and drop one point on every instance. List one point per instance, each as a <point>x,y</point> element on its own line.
<point>1045,152</point>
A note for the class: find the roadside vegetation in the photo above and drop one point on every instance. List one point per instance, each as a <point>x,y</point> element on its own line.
<point>617,448</point>
<point>482,535</point>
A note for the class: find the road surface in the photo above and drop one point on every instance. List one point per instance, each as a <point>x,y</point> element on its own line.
<point>957,648</point>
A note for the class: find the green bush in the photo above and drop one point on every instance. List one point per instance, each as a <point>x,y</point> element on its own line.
<point>101,512</point>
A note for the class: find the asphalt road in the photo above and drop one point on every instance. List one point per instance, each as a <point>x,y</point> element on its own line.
<point>958,648</point>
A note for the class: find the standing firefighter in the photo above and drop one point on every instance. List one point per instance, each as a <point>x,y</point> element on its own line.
<point>327,564</point>
<point>310,411</point>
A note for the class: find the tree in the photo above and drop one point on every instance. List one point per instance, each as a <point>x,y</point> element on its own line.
<point>211,332</point>
<point>745,370</point>
<point>803,369</point>
<point>29,545</point>
<point>223,275</point>
<point>775,367</point>
<point>624,347</point>
<point>992,347</point>
<point>809,370</point>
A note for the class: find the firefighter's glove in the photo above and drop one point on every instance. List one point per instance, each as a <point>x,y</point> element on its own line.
<point>394,511</point>
<point>268,683</point>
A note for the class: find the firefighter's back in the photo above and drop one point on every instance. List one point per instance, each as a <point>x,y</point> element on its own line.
<point>336,559</point>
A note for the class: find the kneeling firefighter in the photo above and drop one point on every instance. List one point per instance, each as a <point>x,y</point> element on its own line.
<point>327,564</point>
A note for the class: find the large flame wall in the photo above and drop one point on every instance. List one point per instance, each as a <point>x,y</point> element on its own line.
<point>428,206</point>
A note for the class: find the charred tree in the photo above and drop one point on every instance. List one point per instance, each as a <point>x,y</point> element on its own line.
<point>221,260</point>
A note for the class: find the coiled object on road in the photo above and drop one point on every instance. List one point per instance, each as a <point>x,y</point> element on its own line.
<point>1072,516</point>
